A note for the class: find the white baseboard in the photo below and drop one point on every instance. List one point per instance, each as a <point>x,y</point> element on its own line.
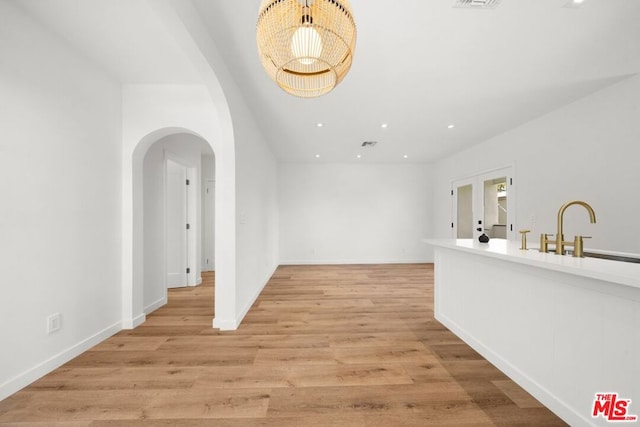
<point>135,322</point>
<point>155,305</point>
<point>197,282</point>
<point>232,325</point>
<point>225,325</point>
<point>356,261</point>
<point>545,396</point>
<point>22,380</point>
<point>255,296</point>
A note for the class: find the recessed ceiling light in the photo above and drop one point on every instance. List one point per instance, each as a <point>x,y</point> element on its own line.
<point>574,4</point>
<point>359,156</point>
<point>384,126</point>
<point>406,156</point>
<point>320,125</point>
<point>451,126</point>
<point>317,156</point>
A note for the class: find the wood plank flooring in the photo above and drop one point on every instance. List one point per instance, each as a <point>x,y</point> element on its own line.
<point>322,346</point>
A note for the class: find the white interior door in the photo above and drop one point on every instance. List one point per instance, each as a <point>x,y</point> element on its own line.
<point>176,224</point>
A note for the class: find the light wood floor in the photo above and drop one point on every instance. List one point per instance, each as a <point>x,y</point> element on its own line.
<point>322,346</point>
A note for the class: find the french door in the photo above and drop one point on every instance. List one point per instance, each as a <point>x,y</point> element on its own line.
<point>484,203</point>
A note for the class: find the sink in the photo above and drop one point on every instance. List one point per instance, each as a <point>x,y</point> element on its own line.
<point>607,256</point>
<point>611,257</point>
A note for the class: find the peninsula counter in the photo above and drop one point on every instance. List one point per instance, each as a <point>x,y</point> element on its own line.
<point>563,328</point>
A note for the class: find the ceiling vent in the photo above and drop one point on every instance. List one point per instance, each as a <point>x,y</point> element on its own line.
<point>477,4</point>
<point>369,144</point>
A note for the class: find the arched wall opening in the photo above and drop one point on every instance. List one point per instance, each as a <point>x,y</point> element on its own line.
<point>150,113</point>
<point>177,189</point>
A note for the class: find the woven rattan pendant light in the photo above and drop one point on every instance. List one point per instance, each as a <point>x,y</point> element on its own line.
<point>306,46</point>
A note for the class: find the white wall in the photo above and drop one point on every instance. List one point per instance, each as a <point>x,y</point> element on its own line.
<point>257,209</point>
<point>587,150</point>
<point>354,213</point>
<point>256,200</point>
<point>60,127</point>
<point>256,167</point>
<point>246,177</point>
<point>189,148</point>
<point>153,190</point>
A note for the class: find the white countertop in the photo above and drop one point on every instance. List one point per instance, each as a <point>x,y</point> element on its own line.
<point>624,273</point>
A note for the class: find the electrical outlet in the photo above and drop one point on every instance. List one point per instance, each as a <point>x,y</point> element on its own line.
<point>54,323</point>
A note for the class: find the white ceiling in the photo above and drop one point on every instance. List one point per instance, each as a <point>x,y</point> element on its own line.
<point>418,67</point>
<point>125,37</point>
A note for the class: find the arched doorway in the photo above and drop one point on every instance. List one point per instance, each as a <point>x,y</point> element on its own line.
<point>175,172</point>
<point>150,113</point>
<point>133,313</point>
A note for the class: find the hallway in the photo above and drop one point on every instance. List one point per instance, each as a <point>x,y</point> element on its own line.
<point>322,346</point>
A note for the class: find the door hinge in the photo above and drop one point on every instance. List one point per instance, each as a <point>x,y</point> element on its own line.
<point>188,270</point>
<point>511,227</point>
<point>188,226</point>
<point>510,181</point>
<point>452,192</point>
<point>451,225</point>
<point>187,182</point>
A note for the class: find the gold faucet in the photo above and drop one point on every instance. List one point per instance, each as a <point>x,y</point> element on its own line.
<point>578,248</point>
<point>523,245</point>
<point>544,242</point>
<point>577,244</point>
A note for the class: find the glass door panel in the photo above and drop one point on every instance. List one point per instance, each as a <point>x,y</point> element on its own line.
<point>463,209</point>
<point>465,212</point>
<point>495,207</point>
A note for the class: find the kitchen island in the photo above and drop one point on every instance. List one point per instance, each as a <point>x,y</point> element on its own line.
<point>563,328</point>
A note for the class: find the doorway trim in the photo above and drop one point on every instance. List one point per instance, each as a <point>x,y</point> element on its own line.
<point>208,223</point>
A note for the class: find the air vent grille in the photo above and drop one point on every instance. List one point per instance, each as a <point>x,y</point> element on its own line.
<point>477,4</point>
<point>369,144</point>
